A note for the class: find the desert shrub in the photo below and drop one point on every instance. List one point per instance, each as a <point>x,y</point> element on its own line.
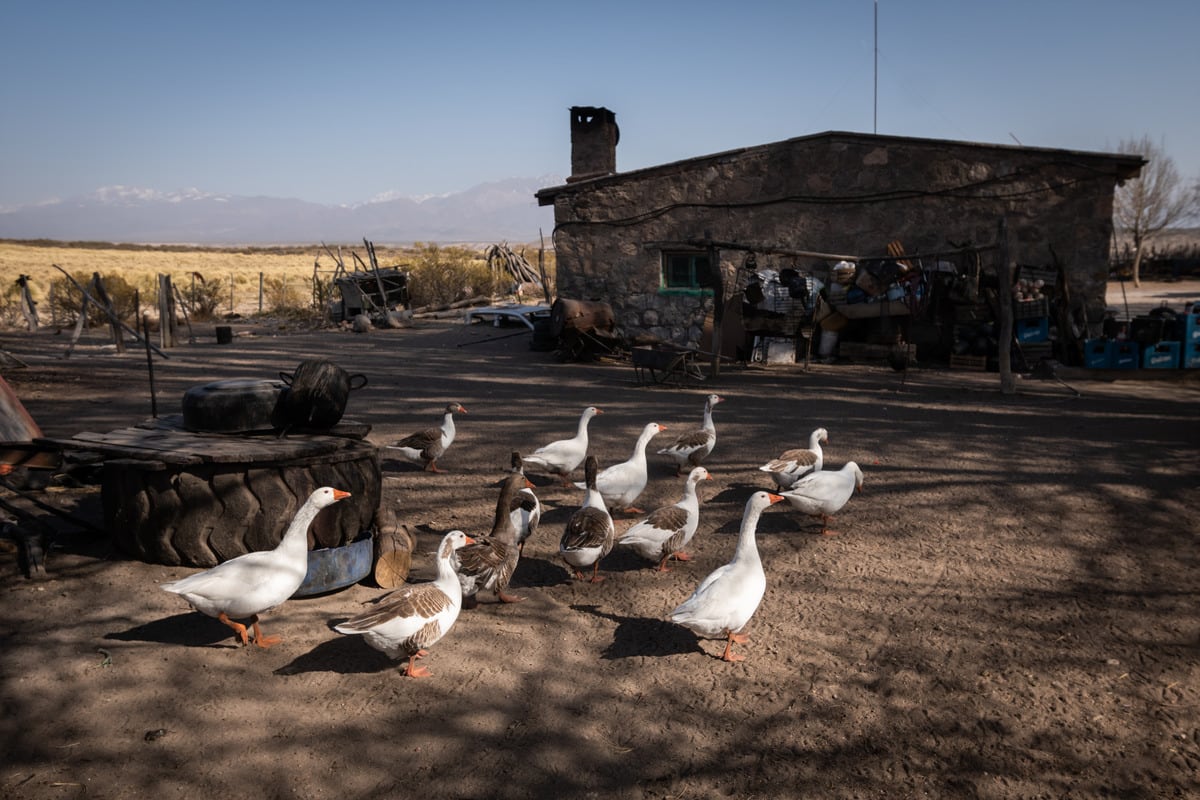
<point>204,297</point>
<point>284,294</point>
<point>440,275</point>
<point>66,300</point>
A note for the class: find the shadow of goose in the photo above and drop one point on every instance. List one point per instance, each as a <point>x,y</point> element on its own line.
<point>644,636</point>
<point>191,629</point>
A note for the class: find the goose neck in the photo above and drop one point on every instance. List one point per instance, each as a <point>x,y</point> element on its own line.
<point>747,547</point>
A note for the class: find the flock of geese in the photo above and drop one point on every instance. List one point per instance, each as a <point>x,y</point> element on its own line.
<point>409,620</point>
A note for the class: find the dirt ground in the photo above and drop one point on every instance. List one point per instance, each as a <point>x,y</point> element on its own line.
<point>1010,610</point>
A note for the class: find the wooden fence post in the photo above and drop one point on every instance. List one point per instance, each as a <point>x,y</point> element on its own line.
<point>1004,272</point>
<point>28,307</point>
<point>106,303</point>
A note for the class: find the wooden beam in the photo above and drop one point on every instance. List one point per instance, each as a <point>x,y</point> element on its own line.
<point>1004,272</point>
<point>785,251</point>
<point>714,269</point>
<point>107,310</point>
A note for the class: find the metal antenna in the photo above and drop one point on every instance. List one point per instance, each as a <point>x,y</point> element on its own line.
<point>876,99</point>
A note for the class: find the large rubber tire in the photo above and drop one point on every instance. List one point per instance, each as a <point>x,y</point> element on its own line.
<point>233,406</point>
<point>202,515</point>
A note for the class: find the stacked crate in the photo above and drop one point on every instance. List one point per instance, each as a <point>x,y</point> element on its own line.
<point>1189,356</point>
<point>1031,321</point>
<point>1031,329</point>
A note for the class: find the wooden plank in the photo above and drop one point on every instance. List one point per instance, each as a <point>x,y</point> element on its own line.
<point>133,453</point>
<point>184,448</point>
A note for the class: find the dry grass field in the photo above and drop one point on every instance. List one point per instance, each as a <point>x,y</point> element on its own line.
<point>235,275</point>
<point>141,266</point>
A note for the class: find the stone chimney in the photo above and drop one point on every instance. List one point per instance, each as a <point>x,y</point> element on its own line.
<point>594,137</point>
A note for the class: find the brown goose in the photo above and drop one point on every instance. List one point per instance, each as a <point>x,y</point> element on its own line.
<point>427,446</point>
<point>668,530</point>
<point>589,533</point>
<point>412,618</point>
<point>489,563</point>
<point>792,465</point>
<point>690,448</point>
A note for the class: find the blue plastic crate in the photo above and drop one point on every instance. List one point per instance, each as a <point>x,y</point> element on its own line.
<point>1033,329</point>
<point>1190,359</point>
<point>1191,323</point>
<point>1164,355</point>
<point>1124,355</point>
<point>1097,353</point>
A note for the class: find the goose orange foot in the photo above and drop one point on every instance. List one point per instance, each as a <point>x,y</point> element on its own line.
<point>729,655</point>
<point>264,641</point>
<point>413,671</point>
<point>238,628</point>
<point>509,598</point>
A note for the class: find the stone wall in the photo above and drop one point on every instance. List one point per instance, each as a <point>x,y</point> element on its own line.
<point>837,194</point>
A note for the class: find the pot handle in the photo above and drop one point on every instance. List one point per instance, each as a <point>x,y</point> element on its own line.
<point>355,377</point>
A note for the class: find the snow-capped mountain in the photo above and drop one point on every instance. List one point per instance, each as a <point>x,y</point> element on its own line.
<point>498,211</point>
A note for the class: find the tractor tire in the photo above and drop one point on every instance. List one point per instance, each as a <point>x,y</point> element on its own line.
<point>200,515</point>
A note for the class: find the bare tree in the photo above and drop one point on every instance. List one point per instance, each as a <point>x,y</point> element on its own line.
<point>1155,200</point>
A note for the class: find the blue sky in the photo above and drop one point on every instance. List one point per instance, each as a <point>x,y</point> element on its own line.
<point>338,103</point>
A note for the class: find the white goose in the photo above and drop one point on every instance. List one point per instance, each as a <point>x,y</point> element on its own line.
<point>562,457</point>
<point>589,534</point>
<point>668,530</point>
<point>692,447</point>
<point>253,583</point>
<point>792,465</point>
<point>413,618</point>
<point>427,446</point>
<point>622,483</point>
<point>822,494</point>
<point>726,600</point>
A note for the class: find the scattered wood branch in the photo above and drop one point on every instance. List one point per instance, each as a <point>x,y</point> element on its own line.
<point>501,257</point>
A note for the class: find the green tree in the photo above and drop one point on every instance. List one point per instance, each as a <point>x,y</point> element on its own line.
<point>1155,200</point>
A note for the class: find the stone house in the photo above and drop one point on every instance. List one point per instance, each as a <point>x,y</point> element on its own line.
<point>643,240</point>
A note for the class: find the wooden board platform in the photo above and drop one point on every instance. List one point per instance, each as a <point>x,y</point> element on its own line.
<point>166,442</point>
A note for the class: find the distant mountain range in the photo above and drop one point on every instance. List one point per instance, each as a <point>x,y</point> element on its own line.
<point>490,212</point>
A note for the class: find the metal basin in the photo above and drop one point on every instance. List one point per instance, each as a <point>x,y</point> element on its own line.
<point>333,568</point>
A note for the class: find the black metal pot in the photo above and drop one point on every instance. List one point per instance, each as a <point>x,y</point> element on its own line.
<point>316,394</point>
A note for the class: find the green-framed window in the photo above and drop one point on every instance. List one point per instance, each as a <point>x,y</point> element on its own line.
<point>686,271</point>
